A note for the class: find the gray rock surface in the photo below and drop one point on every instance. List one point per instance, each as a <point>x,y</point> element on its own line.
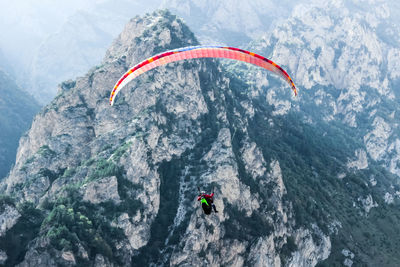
<point>9,215</point>
<point>102,190</point>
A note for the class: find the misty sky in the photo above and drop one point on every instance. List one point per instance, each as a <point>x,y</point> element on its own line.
<point>31,31</point>
<point>24,24</point>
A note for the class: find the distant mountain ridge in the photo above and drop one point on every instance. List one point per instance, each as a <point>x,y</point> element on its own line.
<point>347,63</point>
<point>83,38</point>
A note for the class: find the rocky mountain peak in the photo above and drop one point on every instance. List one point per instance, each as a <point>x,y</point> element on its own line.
<point>145,36</point>
<point>108,183</point>
<point>80,112</point>
<point>345,56</point>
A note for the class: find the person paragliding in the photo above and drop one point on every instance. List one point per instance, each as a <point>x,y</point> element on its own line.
<point>192,52</point>
<point>207,202</point>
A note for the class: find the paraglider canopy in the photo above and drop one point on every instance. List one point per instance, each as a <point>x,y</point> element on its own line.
<point>199,52</point>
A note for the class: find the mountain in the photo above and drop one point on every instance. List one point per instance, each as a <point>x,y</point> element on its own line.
<point>79,44</point>
<point>101,185</point>
<point>230,22</point>
<point>345,58</point>
<point>17,109</point>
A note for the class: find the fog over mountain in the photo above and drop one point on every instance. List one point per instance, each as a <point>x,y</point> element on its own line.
<point>81,34</point>
<point>311,180</point>
<point>65,38</point>
<point>25,24</point>
<point>230,22</point>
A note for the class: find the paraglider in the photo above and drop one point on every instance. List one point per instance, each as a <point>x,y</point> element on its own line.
<point>207,202</point>
<point>192,52</point>
<point>199,52</point>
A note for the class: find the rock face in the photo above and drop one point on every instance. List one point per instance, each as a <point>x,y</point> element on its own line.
<point>343,56</point>
<point>231,22</point>
<point>118,185</point>
<point>17,109</point>
<point>101,190</point>
<point>8,217</point>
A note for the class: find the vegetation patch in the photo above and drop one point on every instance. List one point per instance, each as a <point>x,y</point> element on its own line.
<point>120,151</point>
<point>104,168</point>
<point>287,249</point>
<point>67,85</point>
<point>69,172</point>
<point>169,193</point>
<point>44,172</point>
<point>245,228</point>
<point>72,221</point>
<point>15,241</point>
<point>46,152</point>
<point>6,200</point>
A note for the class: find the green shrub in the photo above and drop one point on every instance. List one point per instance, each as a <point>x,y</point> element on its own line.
<point>69,172</point>
<point>46,152</point>
<point>72,221</point>
<point>105,168</point>
<point>120,151</point>
<point>15,241</point>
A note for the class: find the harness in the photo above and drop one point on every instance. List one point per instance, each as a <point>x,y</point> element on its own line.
<point>203,200</point>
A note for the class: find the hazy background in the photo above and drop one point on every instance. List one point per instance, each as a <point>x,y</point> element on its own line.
<point>43,42</point>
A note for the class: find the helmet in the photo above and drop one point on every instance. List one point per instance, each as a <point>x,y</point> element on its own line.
<point>202,192</point>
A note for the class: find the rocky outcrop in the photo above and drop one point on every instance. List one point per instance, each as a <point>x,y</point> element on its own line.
<point>3,257</point>
<point>102,190</point>
<point>38,255</point>
<point>361,162</point>
<point>337,53</point>
<point>8,217</point>
<point>367,203</point>
<point>17,112</point>
<point>309,252</point>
